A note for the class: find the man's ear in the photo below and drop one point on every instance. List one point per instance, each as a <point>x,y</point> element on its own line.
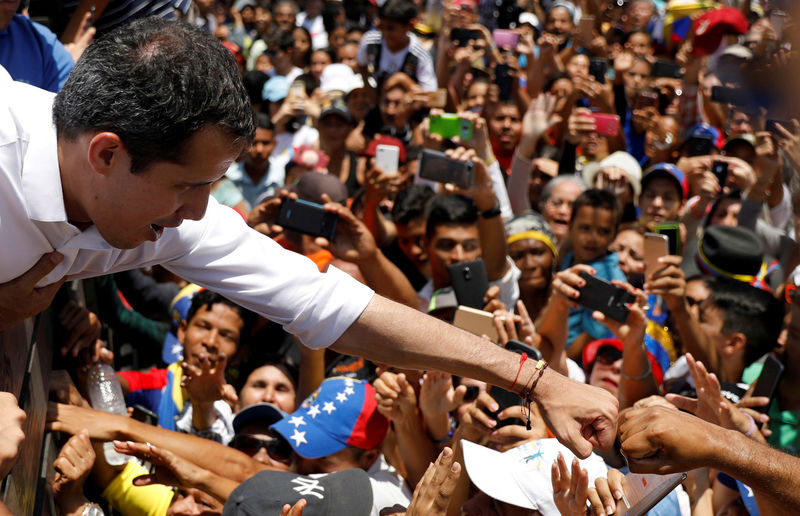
<point>106,151</point>
<point>735,344</point>
<point>368,458</point>
<point>182,331</point>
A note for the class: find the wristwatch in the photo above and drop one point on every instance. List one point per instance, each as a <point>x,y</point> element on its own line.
<point>492,212</point>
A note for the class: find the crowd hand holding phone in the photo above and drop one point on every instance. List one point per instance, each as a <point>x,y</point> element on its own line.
<point>506,324</point>
<point>292,107</point>
<point>480,136</point>
<point>712,406</point>
<point>431,140</point>
<point>571,490</point>
<point>644,118</point>
<point>262,218</point>
<point>599,95</point>
<point>437,398</point>
<point>397,400</point>
<point>580,123</point>
<point>82,329</point>
<point>353,241</point>
<point>379,185</point>
<point>548,44</point>
<point>482,190</point>
<point>492,300</point>
<point>789,141</point>
<point>631,332</point>
<point>669,282</point>
<point>740,174</point>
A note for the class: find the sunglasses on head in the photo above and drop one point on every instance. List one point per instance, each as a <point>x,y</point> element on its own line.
<point>277,448</point>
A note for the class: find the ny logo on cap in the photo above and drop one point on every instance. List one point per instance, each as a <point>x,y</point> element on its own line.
<point>307,486</point>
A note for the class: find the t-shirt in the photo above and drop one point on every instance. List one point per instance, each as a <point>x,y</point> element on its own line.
<point>392,62</point>
<point>31,53</point>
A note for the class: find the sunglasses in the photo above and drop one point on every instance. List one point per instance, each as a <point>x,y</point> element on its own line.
<point>791,295</point>
<point>607,357</point>
<point>277,448</point>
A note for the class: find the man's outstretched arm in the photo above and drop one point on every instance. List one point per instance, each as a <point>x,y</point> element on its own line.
<point>579,415</point>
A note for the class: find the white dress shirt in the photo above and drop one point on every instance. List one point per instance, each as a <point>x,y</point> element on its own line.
<point>219,252</point>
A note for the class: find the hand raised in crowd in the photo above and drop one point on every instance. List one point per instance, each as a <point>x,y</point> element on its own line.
<point>631,332</point>
<point>740,174</point>
<point>396,398</point>
<point>82,328</point>
<point>492,300</point>
<point>712,406</point>
<point>12,419</point>
<point>72,468</point>
<point>82,39</point>
<point>644,118</point>
<point>511,435</point>
<point>431,141</point>
<point>262,218</point>
<point>768,162</point>
<point>480,135</point>
<point>437,398</point>
<point>206,383</point>
<point>579,124</point>
<point>789,141</point>
<point>20,298</point>
<point>64,391</point>
<point>352,241</point>
<point>482,190</point>
<point>537,120</point>
<point>669,282</point>
<point>571,490</point>
<point>379,184</point>
<point>433,492</point>
<point>567,284</point>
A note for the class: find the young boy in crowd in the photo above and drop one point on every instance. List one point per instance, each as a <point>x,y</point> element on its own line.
<point>664,190</point>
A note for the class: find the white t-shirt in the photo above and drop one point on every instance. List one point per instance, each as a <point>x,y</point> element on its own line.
<point>219,251</point>
<point>392,62</point>
<point>509,288</point>
<point>315,27</point>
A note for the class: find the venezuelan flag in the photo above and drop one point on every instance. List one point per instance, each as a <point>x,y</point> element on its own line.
<point>678,19</point>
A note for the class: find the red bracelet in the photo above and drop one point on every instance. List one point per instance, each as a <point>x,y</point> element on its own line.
<point>522,358</point>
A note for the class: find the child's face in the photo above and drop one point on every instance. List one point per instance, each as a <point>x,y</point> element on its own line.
<point>395,34</point>
<point>591,232</point>
<point>660,201</point>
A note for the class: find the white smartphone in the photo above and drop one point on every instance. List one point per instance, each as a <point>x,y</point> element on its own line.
<point>387,158</point>
<point>655,246</point>
<point>644,491</point>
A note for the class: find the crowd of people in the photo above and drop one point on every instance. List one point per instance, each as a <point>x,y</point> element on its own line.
<point>617,179</point>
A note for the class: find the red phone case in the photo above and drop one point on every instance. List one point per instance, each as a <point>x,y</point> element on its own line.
<point>607,125</point>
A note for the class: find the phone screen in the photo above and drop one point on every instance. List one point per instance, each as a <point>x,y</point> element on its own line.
<point>768,380</point>
<point>673,232</point>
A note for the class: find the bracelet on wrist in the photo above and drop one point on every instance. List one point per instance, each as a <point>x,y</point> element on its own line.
<point>492,212</point>
<point>453,426</point>
<point>641,376</point>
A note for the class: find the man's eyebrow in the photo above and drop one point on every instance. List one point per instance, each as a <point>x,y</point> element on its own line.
<point>192,184</point>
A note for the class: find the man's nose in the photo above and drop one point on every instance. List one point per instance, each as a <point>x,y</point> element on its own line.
<point>195,204</point>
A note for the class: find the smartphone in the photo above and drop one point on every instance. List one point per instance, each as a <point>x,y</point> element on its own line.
<point>586,27</point>
<point>505,39</point>
<point>646,99</point>
<point>504,399</point>
<point>145,415</point>
<point>673,232</point>
<point>470,282</point>
<point>725,95</point>
<point>472,393</point>
<point>655,246</point>
<point>308,218</point>
<point>297,89</point>
<point>641,492</point>
<point>436,166</point>
<point>520,347</point>
<point>607,125</point>
<point>387,158</point>
<point>462,36</point>
<point>504,78</point>
<point>437,99</point>
<point>720,171</point>
<point>476,321</point>
<point>663,68</point>
<point>601,295</point>
<point>786,124</point>
<point>598,67</point>
<point>700,145</point>
<point>448,125</point>
<point>768,380</point>
<point>777,19</point>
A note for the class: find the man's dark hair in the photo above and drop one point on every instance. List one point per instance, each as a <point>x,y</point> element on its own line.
<point>449,209</point>
<point>748,310</point>
<point>631,33</point>
<point>263,122</point>
<point>402,11</point>
<point>154,83</point>
<point>330,11</point>
<point>207,299</point>
<point>548,84</point>
<point>281,40</point>
<point>596,198</point>
<point>254,84</point>
<point>411,203</point>
<point>255,359</point>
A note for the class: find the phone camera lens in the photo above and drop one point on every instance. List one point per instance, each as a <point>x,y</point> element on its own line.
<point>467,274</point>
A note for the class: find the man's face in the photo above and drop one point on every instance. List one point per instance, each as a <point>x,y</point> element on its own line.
<point>410,238</point>
<point>347,55</point>
<point>636,78</point>
<point>535,260</point>
<point>592,232</point>
<point>696,293</point>
<point>638,16</point>
<point>394,34</point>
<point>639,44</point>
<point>578,66</point>
<point>629,246</point>
<point>131,209</point>
<point>451,244</point>
<point>505,127</point>
<point>558,207</point>
<point>711,320</point>
<point>739,123</point>
<point>660,201</point>
<point>259,152</point>
<point>476,96</point>
<point>606,371</point>
<point>271,384</point>
<point>210,333</point>
<point>333,130</point>
<point>360,101</point>
<point>194,502</point>
<point>284,17</point>
<point>256,440</point>
<point>559,21</point>
<point>392,108</point>
<point>8,9</point>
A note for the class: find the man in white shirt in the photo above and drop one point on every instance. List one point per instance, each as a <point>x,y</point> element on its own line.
<point>148,120</point>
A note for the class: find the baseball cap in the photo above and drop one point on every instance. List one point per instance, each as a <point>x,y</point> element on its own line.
<point>372,149</point>
<point>275,89</point>
<point>337,107</point>
<point>669,171</point>
<point>531,225</point>
<point>312,185</point>
<point>621,160</point>
<point>343,492</point>
<point>264,413</point>
<point>310,157</point>
<point>172,349</point>
<point>521,476</point>
<point>341,412</point>
<point>338,77</point>
<point>740,138</point>
<point>241,4</point>
<point>615,347</point>
<point>710,26</point>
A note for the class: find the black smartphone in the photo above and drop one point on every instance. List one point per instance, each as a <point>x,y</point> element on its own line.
<point>520,347</point>
<point>664,68</point>
<point>472,393</point>
<point>308,218</point>
<point>144,415</point>
<point>470,283</point>
<point>720,171</point>
<point>504,79</point>
<point>601,295</point>
<point>725,95</point>
<point>436,166</point>
<point>504,399</point>
<point>463,36</point>
<point>768,380</point>
<point>673,232</point>
<point>786,124</point>
<point>700,145</point>
<point>598,67</point>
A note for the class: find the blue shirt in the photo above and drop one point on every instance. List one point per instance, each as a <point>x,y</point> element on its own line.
<point>580,319</point>
<point>32,54</point>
